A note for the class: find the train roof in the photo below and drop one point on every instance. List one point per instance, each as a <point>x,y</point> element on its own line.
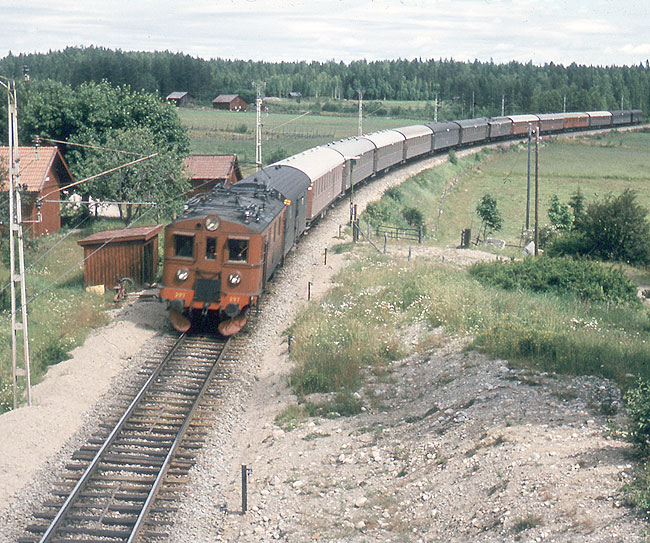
<point>246,202</point>
<point>385,137</point>
<point>352,147</point>
<point>287,180</point>
<point>472,123</point>
<point>314,162</point>
<point>414,131</point>
<point>523,118</point>
<point>447,126</point>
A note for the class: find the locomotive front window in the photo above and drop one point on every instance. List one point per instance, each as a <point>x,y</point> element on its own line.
<point>238,250</point>
<point>183,246</point>
<point>211,248</point>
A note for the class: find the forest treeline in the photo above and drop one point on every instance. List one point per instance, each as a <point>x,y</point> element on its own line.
<point>521,87</point>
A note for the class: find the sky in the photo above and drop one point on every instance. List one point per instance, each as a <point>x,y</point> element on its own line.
<point>592,32</point>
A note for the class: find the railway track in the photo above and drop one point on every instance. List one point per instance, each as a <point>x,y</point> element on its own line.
<point>121,486</point>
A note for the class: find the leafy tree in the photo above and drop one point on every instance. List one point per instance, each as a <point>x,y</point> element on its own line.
<point>577,203</point>
<point>559,214</point>
<point>489,214</point>
<point>158,180</point>
<point>617,229</point>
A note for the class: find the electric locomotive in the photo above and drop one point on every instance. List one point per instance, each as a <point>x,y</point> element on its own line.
<point>222,251</point>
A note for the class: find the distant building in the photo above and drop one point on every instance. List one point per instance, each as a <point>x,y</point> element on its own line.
<point>232,102</point>
<point>295,95</point>
<point>180,98</point>
<point>42,172</point>
<point>206,171</point>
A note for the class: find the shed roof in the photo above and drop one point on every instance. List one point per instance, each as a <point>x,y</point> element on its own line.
<point>142,233</point>
<point>210,166</point>
<point>177,95</point>
<point>35,165</point>
<point>226,98</point>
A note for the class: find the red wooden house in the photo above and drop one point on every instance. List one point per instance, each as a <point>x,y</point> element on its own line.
<point>42,171</point>
<point>205,171</point>
<point>232,102</point>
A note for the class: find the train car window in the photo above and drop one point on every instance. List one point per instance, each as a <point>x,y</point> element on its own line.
<point>211,248</point>
<point>183,246</point>
<point>238,250</point>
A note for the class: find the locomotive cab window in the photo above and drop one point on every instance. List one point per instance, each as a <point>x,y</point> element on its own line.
<point>238,250</point>
<point>211,248</point>
<point>183,246</point>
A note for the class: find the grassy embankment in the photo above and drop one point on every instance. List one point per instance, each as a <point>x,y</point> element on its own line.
<point>60,311</point>
<point>335,339</point>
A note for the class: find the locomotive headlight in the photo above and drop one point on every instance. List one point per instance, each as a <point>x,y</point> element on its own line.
<point>234,279</point>
<point>211,223</point>
<point>182,274</point>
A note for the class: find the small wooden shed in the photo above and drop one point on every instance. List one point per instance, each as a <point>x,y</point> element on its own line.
<point>114,254</point>
<point>232,102</point>
<point>180,98</point>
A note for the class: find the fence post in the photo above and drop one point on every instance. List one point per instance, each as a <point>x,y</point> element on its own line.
<point>245,472</point>
<point>325,256</point>
<point>308,290</point>
<point>409,253</point>
<point>420,234</point>
<point>385,242</point>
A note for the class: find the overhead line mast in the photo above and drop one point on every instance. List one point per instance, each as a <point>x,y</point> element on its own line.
<point>258,127</point>
<point>18,318</point>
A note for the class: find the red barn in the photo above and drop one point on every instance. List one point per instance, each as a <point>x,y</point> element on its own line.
<point>232,102</point>
<point>205,171</point>
<point>42,171</point>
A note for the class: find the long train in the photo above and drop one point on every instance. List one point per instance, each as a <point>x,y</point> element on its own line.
<point>219,255</point>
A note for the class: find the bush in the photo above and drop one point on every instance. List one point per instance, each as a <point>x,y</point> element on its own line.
<point>617,229</point>
<point>637,401</point>
<point>567,244</point>
<point>413,216</point>
<point>452,157</point>
<point>395,193</point>
<point>240,129</point>
<point>581,278</point>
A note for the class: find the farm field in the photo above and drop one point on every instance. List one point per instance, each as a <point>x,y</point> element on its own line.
<point>597,165</point>
<point>283,134</point>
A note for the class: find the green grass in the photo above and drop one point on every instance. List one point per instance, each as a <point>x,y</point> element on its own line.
<point>61,313</point>
<point>566,165</point>
<point>284,134</point>
<point>357,325</point>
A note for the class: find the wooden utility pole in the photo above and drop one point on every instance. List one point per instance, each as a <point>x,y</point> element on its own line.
<point>537,191</point>
<point>528,179</point>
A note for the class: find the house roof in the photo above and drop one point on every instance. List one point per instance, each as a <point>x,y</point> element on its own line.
<point>176,95</point>
<point>225,98</point>
<point>34,166</point>
<point>210,166</point>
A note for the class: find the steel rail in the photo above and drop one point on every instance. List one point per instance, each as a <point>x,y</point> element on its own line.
<point>109,441</point>
<point>179,436</point>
